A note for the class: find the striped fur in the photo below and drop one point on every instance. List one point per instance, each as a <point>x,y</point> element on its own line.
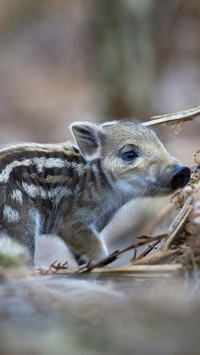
<point>73,189</point>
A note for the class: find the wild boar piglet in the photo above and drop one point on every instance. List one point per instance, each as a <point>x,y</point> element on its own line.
<point>73,189</point>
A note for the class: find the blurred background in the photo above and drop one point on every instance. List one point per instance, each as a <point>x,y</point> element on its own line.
<point>68,60</point>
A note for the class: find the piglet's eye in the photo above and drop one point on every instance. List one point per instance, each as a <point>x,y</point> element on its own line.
<point>129,156</point>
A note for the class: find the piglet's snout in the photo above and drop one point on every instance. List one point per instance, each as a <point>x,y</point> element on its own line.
<point>181,176</point>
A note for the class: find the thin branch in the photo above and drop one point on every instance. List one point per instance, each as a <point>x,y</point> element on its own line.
<point>150,247</point>
<point>176,117</point>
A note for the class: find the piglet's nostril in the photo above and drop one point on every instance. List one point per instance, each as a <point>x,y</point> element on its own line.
<point>180,177</point>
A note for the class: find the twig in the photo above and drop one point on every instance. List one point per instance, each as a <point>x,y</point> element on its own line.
<point>158,257</point>
<point>55,266</point>
<point>148,250</point>
<point>178,223</point>
<point>176,117</point>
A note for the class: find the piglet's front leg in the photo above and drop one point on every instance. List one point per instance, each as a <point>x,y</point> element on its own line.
<point>84,242</point>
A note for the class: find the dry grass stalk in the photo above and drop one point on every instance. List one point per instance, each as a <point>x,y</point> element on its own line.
<point>173,118</point>
<point>178,223</point>
<point>126,270</point>
<point>158,257</point>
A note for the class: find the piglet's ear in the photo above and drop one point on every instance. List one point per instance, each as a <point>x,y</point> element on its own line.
<point>87,136</point>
